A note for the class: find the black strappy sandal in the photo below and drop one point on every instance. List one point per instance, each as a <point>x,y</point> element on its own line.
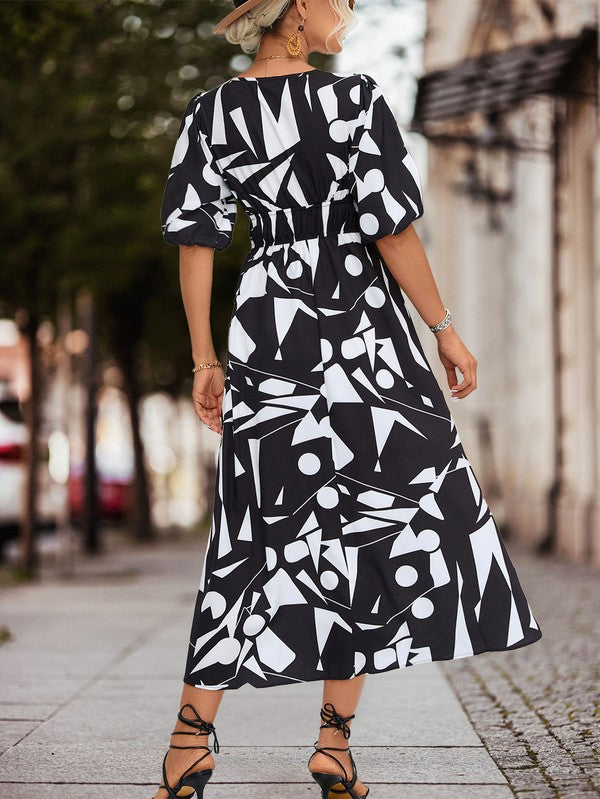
<point>194,782</point>
<point>329,781</point>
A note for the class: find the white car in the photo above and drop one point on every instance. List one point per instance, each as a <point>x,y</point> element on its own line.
<point>13,440</point>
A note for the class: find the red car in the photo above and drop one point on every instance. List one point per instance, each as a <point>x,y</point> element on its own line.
<point>113,495</point>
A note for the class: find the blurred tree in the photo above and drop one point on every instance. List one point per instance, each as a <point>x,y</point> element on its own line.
<point>91,97</point>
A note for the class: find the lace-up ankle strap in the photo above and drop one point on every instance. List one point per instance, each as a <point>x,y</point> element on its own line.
<point>332,719</point>
<point>199,724</point>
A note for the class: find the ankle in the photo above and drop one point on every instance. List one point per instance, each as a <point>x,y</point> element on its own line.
<point>202,736</point>
<point>334,736</point>
<point>332,744</point>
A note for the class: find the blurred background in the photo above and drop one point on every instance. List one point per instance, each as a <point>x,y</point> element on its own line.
<point>100,447</point>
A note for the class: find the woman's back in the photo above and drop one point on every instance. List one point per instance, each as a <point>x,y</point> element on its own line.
<point>287,142</point>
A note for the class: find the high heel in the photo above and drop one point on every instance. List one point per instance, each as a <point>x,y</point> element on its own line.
<point>197,779</point>
<point>328,781</point>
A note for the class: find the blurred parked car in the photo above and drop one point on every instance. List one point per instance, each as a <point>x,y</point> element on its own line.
<point>113,494</point>
<point>13,440</point>
<point>13,472</point>
<point>114,459</point>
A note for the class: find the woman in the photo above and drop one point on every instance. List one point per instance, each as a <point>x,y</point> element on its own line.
<point>349,533</point>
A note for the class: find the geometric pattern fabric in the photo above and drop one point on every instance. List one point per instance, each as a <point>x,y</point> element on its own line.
<point>349,533</point>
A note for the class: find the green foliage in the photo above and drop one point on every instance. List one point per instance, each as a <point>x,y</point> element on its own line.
<point>91,97</point>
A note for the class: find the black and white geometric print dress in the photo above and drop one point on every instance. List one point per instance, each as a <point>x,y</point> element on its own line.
<point>349,532</point>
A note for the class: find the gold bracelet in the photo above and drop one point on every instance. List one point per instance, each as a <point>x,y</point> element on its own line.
<point>206,365</point>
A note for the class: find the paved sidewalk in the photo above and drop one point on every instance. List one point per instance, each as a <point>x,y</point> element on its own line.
<point>90,684</point>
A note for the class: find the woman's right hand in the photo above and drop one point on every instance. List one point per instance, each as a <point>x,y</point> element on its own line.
<point>454,355</point>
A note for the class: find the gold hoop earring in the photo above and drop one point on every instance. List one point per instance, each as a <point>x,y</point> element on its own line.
<point>293,45</point>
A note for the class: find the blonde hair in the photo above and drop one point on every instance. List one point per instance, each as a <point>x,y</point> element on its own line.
<point>248,30</point>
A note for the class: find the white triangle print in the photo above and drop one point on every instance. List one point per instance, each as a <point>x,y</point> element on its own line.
<point>245,533</point>
<point>515,628</point>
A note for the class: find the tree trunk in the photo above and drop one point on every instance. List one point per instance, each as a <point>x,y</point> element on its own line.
<point>91,537</point>
<point>139,508</point>
<point>31,412</point>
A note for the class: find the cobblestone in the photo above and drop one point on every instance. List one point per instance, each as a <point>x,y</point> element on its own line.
<point>537,709</point>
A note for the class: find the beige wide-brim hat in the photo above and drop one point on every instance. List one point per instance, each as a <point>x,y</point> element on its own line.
<point>241,6</point>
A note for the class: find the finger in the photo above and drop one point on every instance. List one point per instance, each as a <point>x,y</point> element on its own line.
<point>451,376</point>
<point>204,414</point>
<point>465,388</point>
<point>467,378</point>
<point>460,386</point>
<point>208,408</point>
<point>214,420</point>
<point>472,376</point>
<point>200,409</point>
<point>469,381</point>
<point>201,412</point>
<point>214,426</point>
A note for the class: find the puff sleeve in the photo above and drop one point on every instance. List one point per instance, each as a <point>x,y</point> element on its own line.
<point>198,206</point>
<point>387,186</point>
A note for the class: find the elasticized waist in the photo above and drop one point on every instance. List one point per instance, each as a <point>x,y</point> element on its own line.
<point>291,224</point>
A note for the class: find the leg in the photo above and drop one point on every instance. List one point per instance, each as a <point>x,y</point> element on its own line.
<point>207,703</point>
<point>344,696</point>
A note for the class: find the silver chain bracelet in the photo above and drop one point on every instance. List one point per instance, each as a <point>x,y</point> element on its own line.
<point>443,324</point>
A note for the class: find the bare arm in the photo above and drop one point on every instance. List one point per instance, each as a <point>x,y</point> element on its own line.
<point>195,277</point>
<point>406,259</point>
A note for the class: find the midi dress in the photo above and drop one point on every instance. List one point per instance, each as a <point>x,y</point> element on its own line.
<point>349,533</point>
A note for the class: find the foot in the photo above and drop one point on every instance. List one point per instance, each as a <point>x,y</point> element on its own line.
<point>179,761</point>
<point>320,762</point>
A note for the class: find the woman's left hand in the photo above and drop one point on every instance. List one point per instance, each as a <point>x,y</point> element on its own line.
<point>207,392</point>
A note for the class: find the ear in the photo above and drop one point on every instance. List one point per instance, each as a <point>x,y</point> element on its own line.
<point>302,7</point>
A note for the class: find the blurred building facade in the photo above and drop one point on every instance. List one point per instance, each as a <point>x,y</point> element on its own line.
<point>508,103</point>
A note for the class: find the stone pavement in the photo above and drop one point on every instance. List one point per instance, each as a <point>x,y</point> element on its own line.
<point>91,676</point>
<point>538,709</point>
